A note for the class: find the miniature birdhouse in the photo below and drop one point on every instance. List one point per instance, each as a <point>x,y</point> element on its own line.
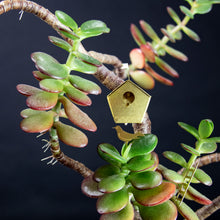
<point>128,103</point>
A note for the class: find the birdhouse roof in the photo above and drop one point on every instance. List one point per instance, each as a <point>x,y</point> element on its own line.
<point>128,103</point>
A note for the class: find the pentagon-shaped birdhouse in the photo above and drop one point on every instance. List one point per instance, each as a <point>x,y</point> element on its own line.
<point>128,103</point>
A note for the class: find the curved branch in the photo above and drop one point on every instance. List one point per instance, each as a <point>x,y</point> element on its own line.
<point>208,210</point>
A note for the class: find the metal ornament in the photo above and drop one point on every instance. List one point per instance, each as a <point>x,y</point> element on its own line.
<point>128,103</point>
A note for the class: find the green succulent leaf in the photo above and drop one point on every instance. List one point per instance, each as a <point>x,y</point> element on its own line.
<point>113,202</point>
<point>175,157</point>
<point>127,213</point>
<point>66,20</point>
<point>27,90</point>
<point>185,210</point>
<point>137,35</point>
<point>111,183</point>
<point>203,7</point>
<point>76,116</point>
<point>203,177</point>
<point>149,31</point>
<point>190,129</point>
<point>87,59</point>
<point>84,85</point>
<point>175,53</point>
<point>42,100</point>
<point>143,145</point>
<point>50,66</point>
<point>40,76</point>
<point>198,197</point>
<point>29,112</point>
<point>171,175</point>
<point>93,28</point>
<point>190,33</point>
<point>68,33</point>
<point>90,188</point>
<point>51,85</point>
<point>38,122</point>
<point>208,147</point>
<point>77,96</point>
<point>164,211</point>
<point>206,128</point>
<point>155,196</point>
<point>186,11</point>
<point>105,171</point>
<point>145,180</point>
<point>111,152</point>
<point>79,65</point>
<point>166,67</point>
<point>168,34</point>
<point>70,135</point>
<point>60,43</point>
<point>140,163</point>
<point>173,15</point>
<point>190,149</point>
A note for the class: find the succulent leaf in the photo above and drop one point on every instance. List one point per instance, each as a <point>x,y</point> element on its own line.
<point>80,66</point>
<point>186,11</point>
<point>206,128</point>
<point>42,100</point>
<point>90,188</point>
<point>208,147</point>
<point>148,30</point>
<point>203,177</point>
<point>143,79</point>
<point>186,211</point>
<point>203,7</point>
<point>177,35</point>
<point>190,33</point>
<point>49,66</point>
<point>143,145</point>
<point>157,76</point>
<point>68,33</point>
<point>112,202</point>
<point>76,116</point>
<point>93,28</point>
<point>29,112</point>
<point>175,53</point>
<point>60,43</point>
<point>155,196</point>
<point>193,131</point>
<point>40,76</point>
<point>66,20</point>
<point>27,90</point>
<point>164,211</point>
<point>145,180</point>
<point>37,123</point>
<point>137,58</point>
<point>140,163</point>
<point>148,52</point>
<point>173,15</point>
<point>111,152</point>
<point>51,85</point>
<point>198,197</point>
<point>111,183</point>
<point>166,67</point>
<point>190,149</point>
<point>77,96</point>
<point>168,34</point>
<point>176,158</point>
<point>105,171</point>
<point>70,135</point>
<point>137,35</point>
<point>127,213</point>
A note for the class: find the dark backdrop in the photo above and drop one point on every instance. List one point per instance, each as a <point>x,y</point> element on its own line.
<point>30,189</point>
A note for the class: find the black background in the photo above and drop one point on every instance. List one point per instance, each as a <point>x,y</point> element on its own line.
<point>30,189</point>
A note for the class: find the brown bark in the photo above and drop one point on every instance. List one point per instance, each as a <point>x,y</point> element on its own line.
<point>208,210</point>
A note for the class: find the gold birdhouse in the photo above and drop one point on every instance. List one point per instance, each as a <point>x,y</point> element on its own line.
<point>128,103</point>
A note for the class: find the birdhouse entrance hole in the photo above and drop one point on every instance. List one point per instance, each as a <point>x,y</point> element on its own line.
<point>128,97</point>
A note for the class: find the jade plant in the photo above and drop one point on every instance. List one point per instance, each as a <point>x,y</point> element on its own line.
<point>133,184</point>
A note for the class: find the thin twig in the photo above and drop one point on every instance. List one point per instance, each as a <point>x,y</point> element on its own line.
<point>208,210</point>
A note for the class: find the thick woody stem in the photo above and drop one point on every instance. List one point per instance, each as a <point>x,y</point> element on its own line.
<point>65,160</point>
<point>208,210</point>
